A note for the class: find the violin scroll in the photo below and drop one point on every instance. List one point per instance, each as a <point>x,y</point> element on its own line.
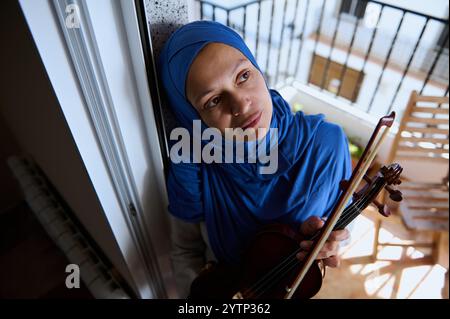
<point>387,176</point>
<point>392,176</point>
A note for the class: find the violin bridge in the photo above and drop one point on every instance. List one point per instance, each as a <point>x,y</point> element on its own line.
<point>238,295</point>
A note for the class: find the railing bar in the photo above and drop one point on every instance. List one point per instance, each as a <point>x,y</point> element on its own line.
<point>281,41</point>
<point>442,20</point>
<point>244,23</point>
<point>292,36</point>
<point>385,63</point>
<point>244,4</point>
<point>266,70</point>
<point>201,10</point>
<point>369,50</point>
<point>436,59</point>
<point>257,31</point>
<point>408,11</point>
<point>316,40</point>
<point>301,39</point>
<point>350,47</point>
<point>276,76</point>
<point>324,75</point>
<point>405,71</point>
<point>213,4</point>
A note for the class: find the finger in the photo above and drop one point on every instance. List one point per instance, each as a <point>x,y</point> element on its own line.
<point>333,261</point>
<point>339,235</point>
<point>328,250</point>
<point>324,254</point>
<point>311,225</point>
<point>306,244</point>
<point>301,255</point>
<point>331,248</point>
<point>331,244</point>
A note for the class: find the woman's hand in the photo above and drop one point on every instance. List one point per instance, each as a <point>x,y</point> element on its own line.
<point>330,248</point>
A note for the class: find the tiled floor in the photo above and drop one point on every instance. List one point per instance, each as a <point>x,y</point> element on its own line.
<point>390,275</point>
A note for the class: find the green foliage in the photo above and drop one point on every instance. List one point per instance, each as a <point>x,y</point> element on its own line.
<point>355,150</point>
<point>297,107</point>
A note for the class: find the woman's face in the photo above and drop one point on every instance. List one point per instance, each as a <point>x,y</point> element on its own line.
<point>228,91</point>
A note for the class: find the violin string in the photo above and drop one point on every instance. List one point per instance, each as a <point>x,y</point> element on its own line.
<point>347,219</point>
<point>364,202</point>
<point>289,262</point>
<point>350,214</point>
<point>292,260</point>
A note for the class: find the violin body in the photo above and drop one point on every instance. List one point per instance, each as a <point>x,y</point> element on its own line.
<point>255,278</point>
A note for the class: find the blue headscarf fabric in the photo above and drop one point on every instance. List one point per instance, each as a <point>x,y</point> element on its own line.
<point>235,199</point>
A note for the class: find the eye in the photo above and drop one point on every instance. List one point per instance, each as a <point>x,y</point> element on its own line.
<point>244,76</point>
<point>213,102</point>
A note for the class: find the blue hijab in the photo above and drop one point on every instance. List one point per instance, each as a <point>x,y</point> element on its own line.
<point>234,199</point>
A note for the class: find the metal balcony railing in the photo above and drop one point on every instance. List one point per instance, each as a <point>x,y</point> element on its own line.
<point>368,53</point>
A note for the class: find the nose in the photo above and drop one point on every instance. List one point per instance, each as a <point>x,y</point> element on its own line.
<point>240,104</point>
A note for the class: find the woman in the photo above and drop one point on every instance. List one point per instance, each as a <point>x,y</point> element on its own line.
<point>209,74</point>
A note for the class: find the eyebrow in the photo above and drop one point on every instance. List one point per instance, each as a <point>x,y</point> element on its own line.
<point>238,64</point>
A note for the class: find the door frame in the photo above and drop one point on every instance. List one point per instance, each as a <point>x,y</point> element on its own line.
<point>99,75</point>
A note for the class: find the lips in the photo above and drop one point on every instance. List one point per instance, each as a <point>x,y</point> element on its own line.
<point>252,121</point>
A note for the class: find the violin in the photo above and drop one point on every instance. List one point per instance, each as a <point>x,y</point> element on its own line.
<point>269,264</point>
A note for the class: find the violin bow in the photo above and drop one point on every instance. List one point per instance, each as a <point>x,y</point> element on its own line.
<point>358,173</point>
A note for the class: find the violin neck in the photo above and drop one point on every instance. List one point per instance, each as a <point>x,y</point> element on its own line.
<point>354,209</point>
<point>348,215</point>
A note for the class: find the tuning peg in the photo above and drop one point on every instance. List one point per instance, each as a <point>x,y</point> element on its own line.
<point>394,194</point>
<point>382,209</point>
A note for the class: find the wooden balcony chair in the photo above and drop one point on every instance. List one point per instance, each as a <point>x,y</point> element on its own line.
<point>423,136</point>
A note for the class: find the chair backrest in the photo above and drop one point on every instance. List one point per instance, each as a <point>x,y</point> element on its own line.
<point>423,132</point>
<point>424,136</point>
